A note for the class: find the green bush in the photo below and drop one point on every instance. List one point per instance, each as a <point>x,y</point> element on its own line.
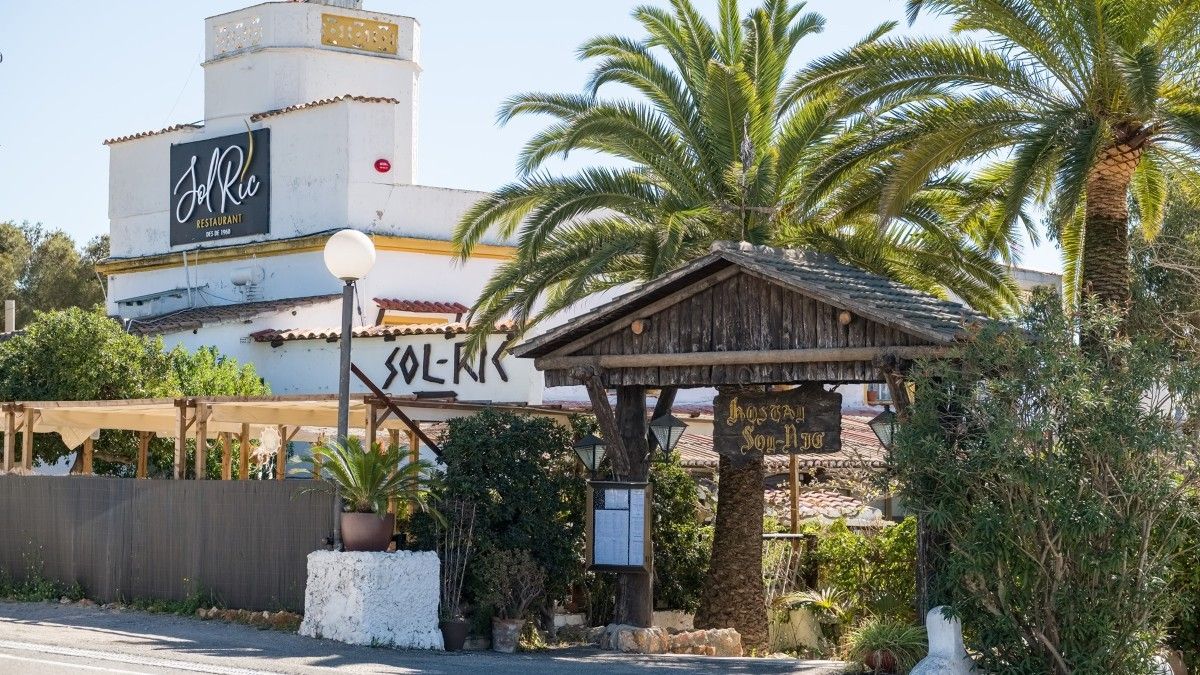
<point>1051,476</point>
<point>906,642</point>
<point>682,544</point>
<point>520,472</point>
<point>874,571</point>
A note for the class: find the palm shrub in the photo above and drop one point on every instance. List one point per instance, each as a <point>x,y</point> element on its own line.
<point>904,642</point>
<point>369,480</point>
<point>1056,479</point>
<point>1077,106</point>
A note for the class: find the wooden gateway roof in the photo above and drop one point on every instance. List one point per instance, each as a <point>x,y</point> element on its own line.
<point>746,314</point>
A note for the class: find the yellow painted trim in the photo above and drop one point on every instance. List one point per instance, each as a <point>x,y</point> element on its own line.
<point>413,320</point>
<point>307,244</point>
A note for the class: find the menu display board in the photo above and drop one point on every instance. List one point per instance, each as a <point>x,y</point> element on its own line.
<point>618,527</point>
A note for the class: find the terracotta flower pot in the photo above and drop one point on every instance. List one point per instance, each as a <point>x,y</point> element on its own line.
<point>881,661</point>
<point>454,634</point>
<point>506,633</point>
<point>367,531</point>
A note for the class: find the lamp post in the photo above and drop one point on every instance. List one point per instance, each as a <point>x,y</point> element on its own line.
<point>349,256</point>
<point>884,426</point>
<point>667,430</point>
<point>590,450</point>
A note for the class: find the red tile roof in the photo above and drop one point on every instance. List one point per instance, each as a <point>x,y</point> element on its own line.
<point>274,335</point>
<point>325,101</point>
<point>260,116</point>
<point>145,134</point>
<point>422,306</point>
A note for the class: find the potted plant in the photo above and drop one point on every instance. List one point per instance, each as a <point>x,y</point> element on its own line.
<point>368,481</point>
<point>513,580</point>
<point>886,645</point>
<point>454,550</point>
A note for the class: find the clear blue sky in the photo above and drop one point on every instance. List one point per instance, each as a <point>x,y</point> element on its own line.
<point>76,72</point>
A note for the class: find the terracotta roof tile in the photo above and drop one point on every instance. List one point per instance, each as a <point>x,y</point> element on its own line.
<point>325,101</point>
<point>422,306</point>
<point>276,336</point>
<point>145,134</point>
<point>196,317</point>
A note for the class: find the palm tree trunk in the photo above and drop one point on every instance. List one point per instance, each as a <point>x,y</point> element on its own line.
<point>1106,228</point>
<point>733,595</point>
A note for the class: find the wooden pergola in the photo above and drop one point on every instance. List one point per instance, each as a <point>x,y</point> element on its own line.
<point>227,420</point>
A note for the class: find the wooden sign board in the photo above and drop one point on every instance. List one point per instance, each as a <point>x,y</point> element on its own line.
<point>795,421</point>
<point>618,526</point>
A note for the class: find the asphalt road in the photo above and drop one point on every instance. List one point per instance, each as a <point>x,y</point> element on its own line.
<point>56,639</point>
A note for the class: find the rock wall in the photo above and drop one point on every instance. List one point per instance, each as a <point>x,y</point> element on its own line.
<point>379,599</point>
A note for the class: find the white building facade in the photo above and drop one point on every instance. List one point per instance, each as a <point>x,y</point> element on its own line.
<point>310,126</point>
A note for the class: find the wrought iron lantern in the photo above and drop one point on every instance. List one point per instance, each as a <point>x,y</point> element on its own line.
<point>884,426</point>
<point>591,451</point>
<point>667,430</point>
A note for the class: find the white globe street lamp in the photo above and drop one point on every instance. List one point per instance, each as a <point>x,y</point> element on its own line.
<point>349,256</point>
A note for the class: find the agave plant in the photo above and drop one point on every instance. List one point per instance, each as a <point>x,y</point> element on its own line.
<point>887,645</point>
<point>369,480</point>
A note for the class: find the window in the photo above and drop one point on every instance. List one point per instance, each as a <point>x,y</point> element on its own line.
<point>877,394</point>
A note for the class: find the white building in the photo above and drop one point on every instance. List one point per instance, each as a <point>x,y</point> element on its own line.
<point>310,126</point>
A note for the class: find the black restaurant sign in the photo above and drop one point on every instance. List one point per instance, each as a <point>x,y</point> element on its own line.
<point>221,187</point>
<point>796,421</point>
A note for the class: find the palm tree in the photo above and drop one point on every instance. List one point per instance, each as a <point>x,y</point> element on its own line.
<point>1075,106</point>
<point>717,146</point>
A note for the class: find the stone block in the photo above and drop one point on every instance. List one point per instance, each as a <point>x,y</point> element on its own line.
<point>634,640</point>
<point>715,642</point>
<point>947,655</point>
<point>379,599</point>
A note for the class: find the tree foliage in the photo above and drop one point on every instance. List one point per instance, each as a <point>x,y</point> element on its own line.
<point>44,270</point>
<point>77,354</point>
<point>717,143</point>
<point>1073,106</point>
<point>1056,478</point>
<point>682,543</point>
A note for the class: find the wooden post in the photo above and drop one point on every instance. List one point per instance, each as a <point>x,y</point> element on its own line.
<point>143,454</point>
<point>281,454</point>
<point>794,490</point>
<point>244,457</point>
<point>226,456</point>
<point>29,421</point>
<point>181,427</point>
<point>635,592</point>
<point>414,453</point>
<point>88,454</point>
<point>394,438</point>
<point>10,438</point>
<point>372,427</point>
<point>201,459</point>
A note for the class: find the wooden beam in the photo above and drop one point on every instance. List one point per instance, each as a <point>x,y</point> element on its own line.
<point>605,418</point>
<point>794,496</point>
<point>201,459</point>
<point>414,454</point>
<point>143,454</point>
<point>394,438</point>
<point>372,427</point>
<point>281,454</point>
<point>182,423</point>
<point>413,426</point>
<point>89,452</point>
<point>30,419</point>
<point>10,439</point>
<point>226,456</point>
<point>816,355</point>
<point>244,456</point>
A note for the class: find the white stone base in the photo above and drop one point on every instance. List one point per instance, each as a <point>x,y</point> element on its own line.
<point>378,599</point>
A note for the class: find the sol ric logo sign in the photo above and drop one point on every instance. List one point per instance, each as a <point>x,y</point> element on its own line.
<point>220,187</point>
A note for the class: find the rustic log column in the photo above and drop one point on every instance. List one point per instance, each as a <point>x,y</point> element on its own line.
<point>281,454</point>
<point>733,595</point>
<point>29,421</point>
<point>201,458</point>
<point>635,593</point>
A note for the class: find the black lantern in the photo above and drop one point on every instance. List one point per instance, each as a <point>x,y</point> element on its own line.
<point>884,426</point>
<point>591,451</point>
<point>667,430</point>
